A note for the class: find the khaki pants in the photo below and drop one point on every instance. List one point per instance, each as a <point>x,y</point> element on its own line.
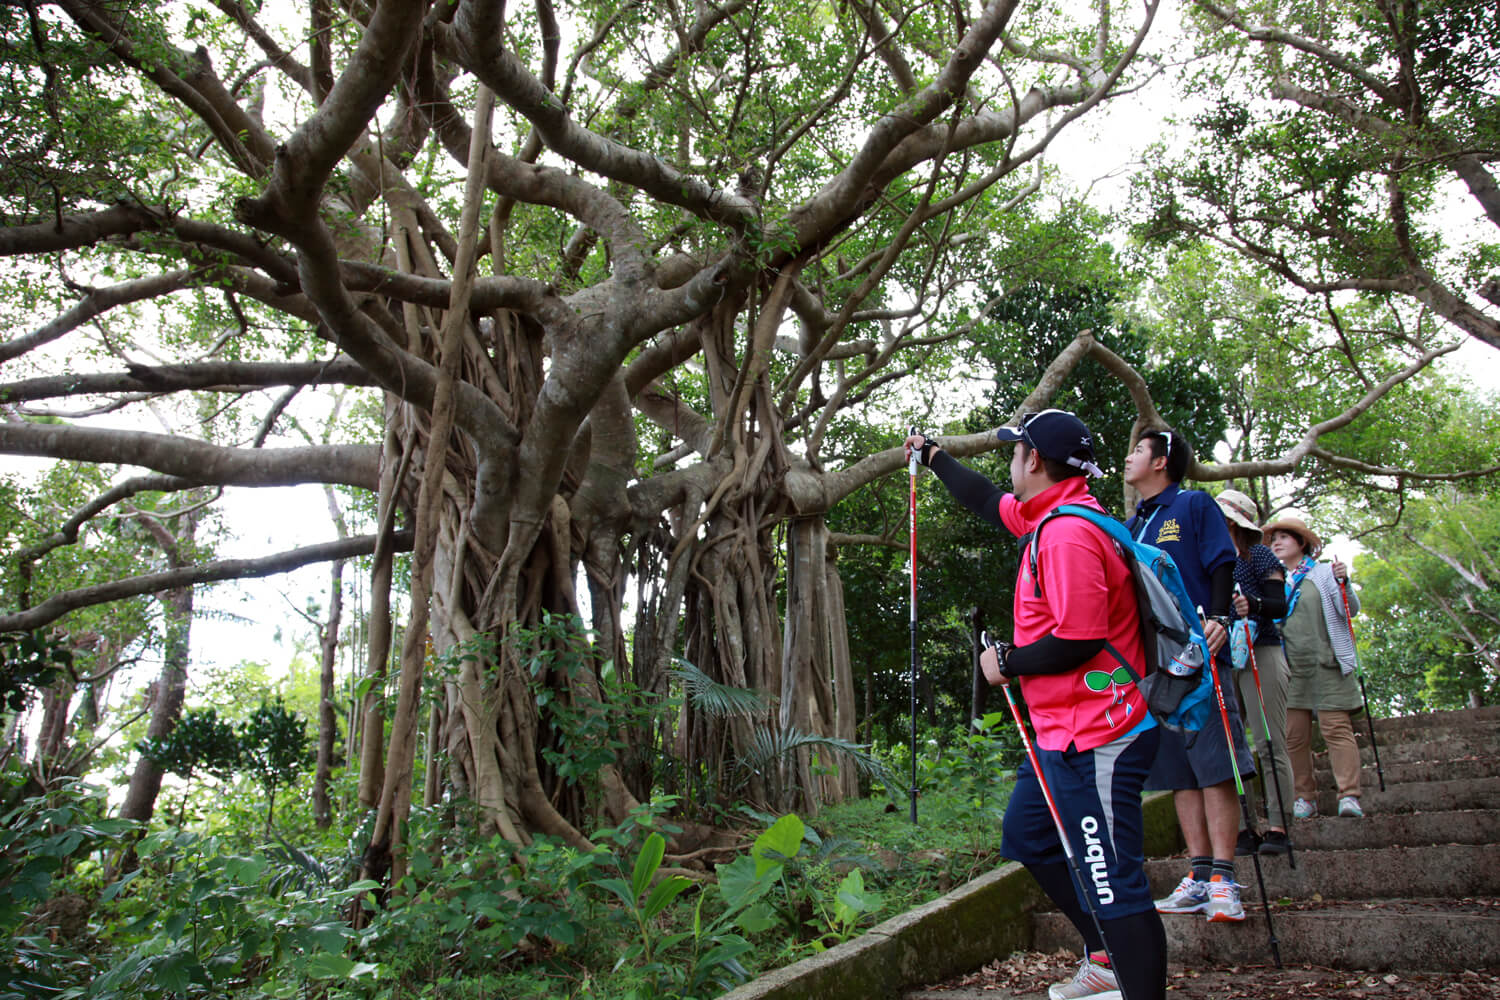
<point>1343,752</point>
<point>1270,661</point>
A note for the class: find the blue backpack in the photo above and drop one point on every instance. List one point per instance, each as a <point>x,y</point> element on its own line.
<point>1179,692</point>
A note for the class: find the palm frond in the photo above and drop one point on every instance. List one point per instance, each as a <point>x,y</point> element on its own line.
<point>768,745</point>
<point>719,700</point>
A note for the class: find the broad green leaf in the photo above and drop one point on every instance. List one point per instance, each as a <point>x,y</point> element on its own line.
<point>652,852</point>
<point>325,965</point>
<point>779,844</point>
<point>666,890</point>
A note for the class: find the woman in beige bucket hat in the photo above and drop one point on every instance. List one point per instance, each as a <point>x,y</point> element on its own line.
<point>1259,600</point>
<point>1320,658</point>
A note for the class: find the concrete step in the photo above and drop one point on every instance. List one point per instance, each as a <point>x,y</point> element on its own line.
<point>1414,829</point>
<point>1399,934</point>
<point>1428,796</point>
<point>1434,870</point>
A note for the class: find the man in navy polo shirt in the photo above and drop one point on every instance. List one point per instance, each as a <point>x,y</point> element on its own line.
<point>1196,767</point>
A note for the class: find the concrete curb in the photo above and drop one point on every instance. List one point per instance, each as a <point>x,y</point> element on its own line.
<point>984,919</point>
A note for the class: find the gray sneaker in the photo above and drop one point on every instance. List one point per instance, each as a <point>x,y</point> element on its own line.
<point>1224,902</point>
<point>1190,896</point>
<point>1092,981</point>
<point>1349,806</point>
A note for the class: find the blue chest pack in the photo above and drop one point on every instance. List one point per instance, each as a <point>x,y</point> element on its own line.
<point>1178,691</point>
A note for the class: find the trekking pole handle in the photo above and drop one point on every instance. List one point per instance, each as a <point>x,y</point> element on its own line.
<point>915,459</point>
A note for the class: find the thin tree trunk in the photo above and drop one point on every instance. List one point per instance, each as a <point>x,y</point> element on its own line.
<point>378,651</point>
<point>327,713</point>
<point>384,853</point>
<point>166,709</point>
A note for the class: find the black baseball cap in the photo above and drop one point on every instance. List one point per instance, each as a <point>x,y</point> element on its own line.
<point>1058,435</point>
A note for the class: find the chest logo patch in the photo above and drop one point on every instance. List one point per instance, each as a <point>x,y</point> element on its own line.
<point>1114,683</point>
<point>1170,531</point>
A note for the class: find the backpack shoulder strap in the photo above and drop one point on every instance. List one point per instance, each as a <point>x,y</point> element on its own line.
<point>1114,529</point>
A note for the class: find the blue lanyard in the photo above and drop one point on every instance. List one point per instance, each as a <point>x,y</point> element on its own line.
<point>1141,537</point>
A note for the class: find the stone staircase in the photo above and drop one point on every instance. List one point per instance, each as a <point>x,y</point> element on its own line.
<point>1414,887</point>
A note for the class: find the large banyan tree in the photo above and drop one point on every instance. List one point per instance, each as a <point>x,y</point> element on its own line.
<point>616,272</point>
<point>616,279</point>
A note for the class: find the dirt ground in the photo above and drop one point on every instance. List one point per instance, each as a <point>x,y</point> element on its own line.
<point>1028,974</point>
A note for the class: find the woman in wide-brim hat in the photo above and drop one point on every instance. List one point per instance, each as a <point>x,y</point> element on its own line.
<point>1321,660</point>
<point>1260,599</point>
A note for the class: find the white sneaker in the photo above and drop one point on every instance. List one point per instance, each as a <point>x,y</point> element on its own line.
<point>1190,896</point>
<point>1303,809</point>
<point>1224,902</point>
<point>1092,981</point>
<point>1349,806</point>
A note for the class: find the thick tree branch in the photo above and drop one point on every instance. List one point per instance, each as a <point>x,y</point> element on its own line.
<point>350,465</point>
<point>474,42</point>
<point>58,605</point>
<point>68,533</point>
<point>74,231</point>
<point>1394,472</point>
<point>95,302</point>
<point>222,376</point>
<point>840,483</point>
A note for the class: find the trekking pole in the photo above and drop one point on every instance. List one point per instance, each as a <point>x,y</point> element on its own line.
<point>1291,859</point>
<point>912,510</point>
<point>1360,673</point>
<point>1239,787</point>
<point>980,685</point>
<point>1062,831</point>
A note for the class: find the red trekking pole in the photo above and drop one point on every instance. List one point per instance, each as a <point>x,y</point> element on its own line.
<point>1360,673</point>
<point>912,511</point>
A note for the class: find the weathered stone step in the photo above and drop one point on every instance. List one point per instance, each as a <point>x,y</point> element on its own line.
<point>1488,715</point>
<point>1449,745</point>
<point>1413,771</point>
<point>1390,934</point>
<point>1434,870</point>
<point>1428,796</point>
<point>1413,829</point>
<point>1483,734</point>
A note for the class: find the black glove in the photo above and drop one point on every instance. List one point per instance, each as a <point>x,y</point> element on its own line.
<point>1001,650</point>
<point>922,446</point>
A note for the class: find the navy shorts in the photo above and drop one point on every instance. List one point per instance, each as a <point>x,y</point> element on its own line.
<point>1098,796</point>
<point>1201,759</point>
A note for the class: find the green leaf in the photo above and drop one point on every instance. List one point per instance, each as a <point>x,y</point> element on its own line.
<point>740,882</point>
<point>175,924</point>
<point>175,974</point>
<point>619,888</point>
<point>666,890</point>
<point>325,965</point>
<point>652,851</point>
<point>779,844</point>
<point>757,918</point>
